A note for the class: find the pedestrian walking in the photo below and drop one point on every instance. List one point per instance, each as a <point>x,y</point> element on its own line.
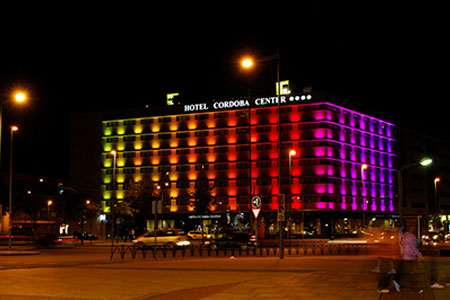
<point>387,251</point>
<point>409,266</point>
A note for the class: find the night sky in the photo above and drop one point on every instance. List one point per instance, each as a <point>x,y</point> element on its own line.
<point>393,59</point>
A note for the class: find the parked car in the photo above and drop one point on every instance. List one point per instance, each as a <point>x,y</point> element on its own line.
<point>242,240</point>
<point>164,237</point>
<point>86,236</point>
<point>197,235</point>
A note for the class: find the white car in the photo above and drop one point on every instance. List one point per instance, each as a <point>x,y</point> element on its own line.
<point>164,237</point>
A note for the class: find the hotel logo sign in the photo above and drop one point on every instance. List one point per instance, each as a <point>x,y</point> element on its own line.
<point>235,104</point>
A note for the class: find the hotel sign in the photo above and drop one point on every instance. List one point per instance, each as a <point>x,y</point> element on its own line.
<point>236,104</point>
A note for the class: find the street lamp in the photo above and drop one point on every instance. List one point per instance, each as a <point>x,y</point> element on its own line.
<point>113,198</point>
<point>363,168</point>
<point>18,97</point>
<point>436,195</point>
<point>13,128</point>
<point>291,154</point>
<point>426,161</point>
<point>49,203</point>
<point>247,63</point>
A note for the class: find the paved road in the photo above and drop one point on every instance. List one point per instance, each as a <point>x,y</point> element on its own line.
<point>87,273</point>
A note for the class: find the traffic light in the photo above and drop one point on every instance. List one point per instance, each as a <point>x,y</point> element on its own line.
<point>60,188</point>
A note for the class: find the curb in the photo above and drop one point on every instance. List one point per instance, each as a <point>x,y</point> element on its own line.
<point>16,253</point>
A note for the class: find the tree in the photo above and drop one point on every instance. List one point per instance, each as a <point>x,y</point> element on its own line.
<point>138,199</point>
<point>202,198</point>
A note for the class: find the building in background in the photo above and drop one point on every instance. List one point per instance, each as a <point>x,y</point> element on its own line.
<point>426,190</point>
<point>342,176</point>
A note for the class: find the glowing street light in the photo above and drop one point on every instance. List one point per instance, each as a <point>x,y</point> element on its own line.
<point>247,63</point>
<point>20,97</point>
<point>436,195</point>
<point>425,161</point>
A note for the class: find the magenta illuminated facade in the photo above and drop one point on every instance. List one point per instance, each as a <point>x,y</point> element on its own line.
<point>343,170</point>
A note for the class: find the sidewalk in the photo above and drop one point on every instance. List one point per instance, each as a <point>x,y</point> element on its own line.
<point>207,278</point>
<point>18,250</point>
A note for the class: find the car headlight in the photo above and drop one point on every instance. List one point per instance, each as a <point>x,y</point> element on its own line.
<point>183,243</point>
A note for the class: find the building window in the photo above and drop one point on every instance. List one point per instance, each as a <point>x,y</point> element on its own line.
<point>201,167</point>
<point>221,167</point>
<point>242,165</point>
<point>202,117</point>
<point>164,136</point>
<point>147,154</point>
<point>202,150</point>
<point>183,118</point>
<point>263,129</point>
<point>165,120</point>
<point>183,134</point>
<point>112,124</point>
<point>183,151</point>
<point>242,148</point>
<point>146,170</point>
<point>112,140</point>
<point>183,168</point>
<point>221,132</point>
<point>221,115</point>
<point>221,149</point>
<point>129,122</point>
<point>201,133</point>
<point>264,181</point>
<point>164,152</point>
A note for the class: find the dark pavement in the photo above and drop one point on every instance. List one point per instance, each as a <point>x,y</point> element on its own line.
<point>88,273</point>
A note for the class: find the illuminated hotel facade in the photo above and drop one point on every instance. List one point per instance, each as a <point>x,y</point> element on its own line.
<point>343,173</point>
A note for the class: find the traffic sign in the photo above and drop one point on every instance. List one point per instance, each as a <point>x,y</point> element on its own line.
<point>256,205</point>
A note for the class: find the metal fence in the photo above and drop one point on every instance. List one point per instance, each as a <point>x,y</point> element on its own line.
<point>133,251</point>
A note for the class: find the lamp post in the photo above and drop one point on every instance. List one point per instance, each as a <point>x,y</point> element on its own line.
<point>363,168</point>
<point>113,198</point>
<point>49,203</point>
<point>423,162</point>
<point>248,63</point>
<point>13,128</point>
<point>291,154</point>
<point>18,97</point>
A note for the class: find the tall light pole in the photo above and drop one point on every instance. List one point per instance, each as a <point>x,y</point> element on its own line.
<point>19,97</point>
<point>248,63</point>
<point>113,198</point>
<point>13,128</point>
<point>363,168</point>
<point>423,162</point>
<point>291,154</point>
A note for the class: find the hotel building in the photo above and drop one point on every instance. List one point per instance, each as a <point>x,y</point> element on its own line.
<point>343,173</point>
